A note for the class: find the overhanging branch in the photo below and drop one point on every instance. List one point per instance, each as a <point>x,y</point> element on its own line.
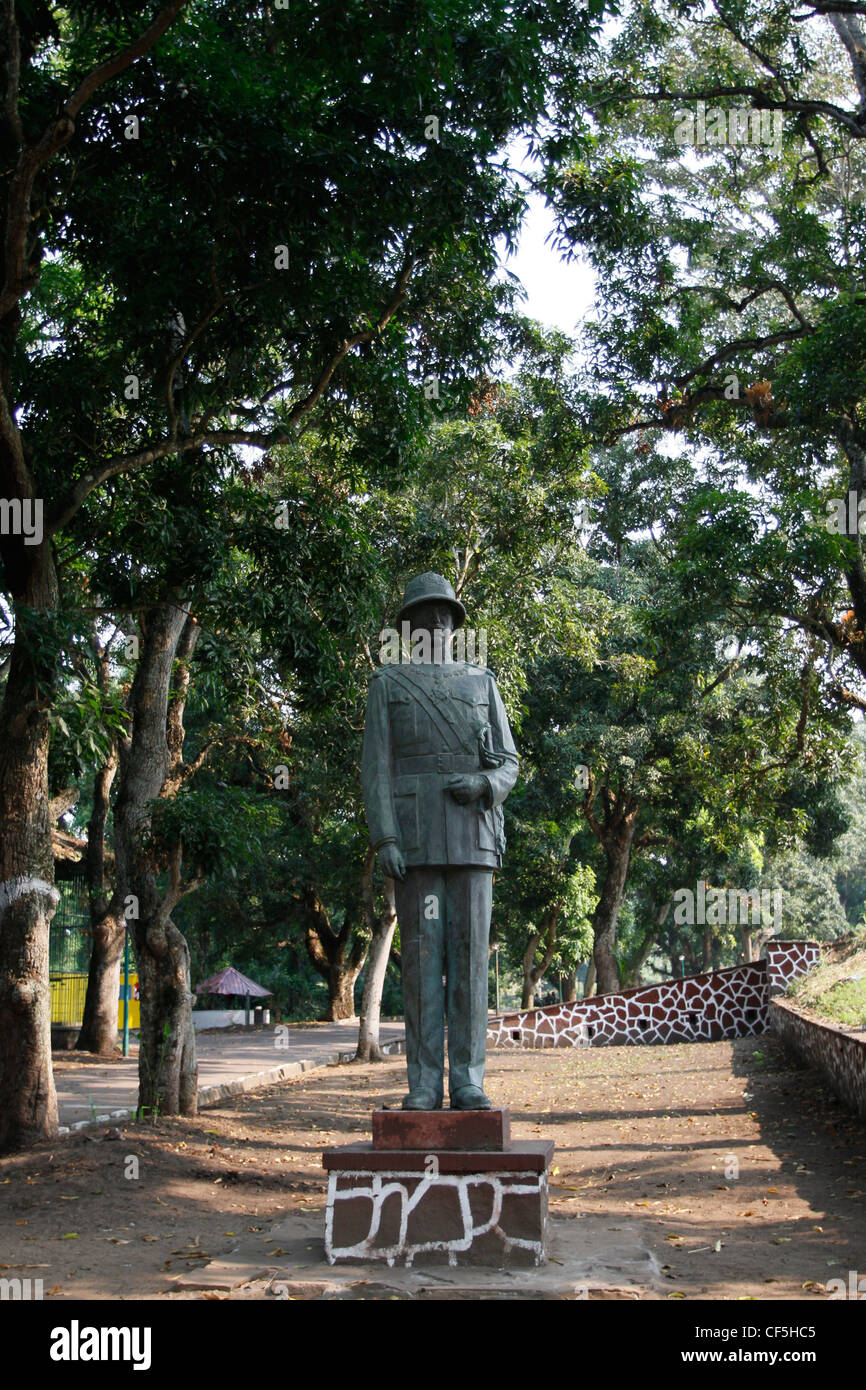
<point>18,277</point>
<point>259,439</point>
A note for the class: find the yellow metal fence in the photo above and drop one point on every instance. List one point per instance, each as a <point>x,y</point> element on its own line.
<point>68,991</point>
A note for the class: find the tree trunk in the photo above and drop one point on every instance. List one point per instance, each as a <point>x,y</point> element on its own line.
<point>589,982</point>
<point>167,1066</point>
<point>532,973</point>
<point>368,1049</point>
<point>167,1070</point>
<point>569,987</point>
<point>341,992</point>
<point>634,966</point>
<point>527,992</point>
<point>99,1024</point>
<point>28,898</point>
<point>746,936</point>
<point>617,845</point>
<point>108,929</point>
<point>338,956</point>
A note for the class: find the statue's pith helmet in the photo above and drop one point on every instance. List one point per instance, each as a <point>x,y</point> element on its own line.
<point>429,587</point>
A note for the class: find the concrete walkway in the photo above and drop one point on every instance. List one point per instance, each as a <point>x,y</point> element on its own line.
<point>228,1064</point>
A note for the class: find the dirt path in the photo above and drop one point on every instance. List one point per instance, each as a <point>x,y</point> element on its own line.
<point>744,1175</point>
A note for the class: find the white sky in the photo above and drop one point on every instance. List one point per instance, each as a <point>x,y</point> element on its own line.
<point>559,293</point>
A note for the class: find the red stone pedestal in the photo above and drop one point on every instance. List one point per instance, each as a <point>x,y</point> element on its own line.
<point>431,1130</point>
<point>458,1191</point>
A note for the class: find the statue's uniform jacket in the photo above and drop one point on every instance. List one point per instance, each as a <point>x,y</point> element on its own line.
<point>424,724</point>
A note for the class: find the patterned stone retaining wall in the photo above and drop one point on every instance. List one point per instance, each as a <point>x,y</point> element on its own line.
<point>786,960</point>
<point>729,1003</point>
<point>840,1053</point>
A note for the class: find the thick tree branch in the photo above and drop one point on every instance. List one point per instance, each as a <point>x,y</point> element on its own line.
<point>848,697</point>
<point>751,48</point>
<point>62,802</point>
<point>98,76</point>
<point>828,7</point>
<point>260,439</point>
<point>13,72</point>
<point>174,732</point>
<point>735,348</point>
<point>852,37</point>
<point>398,295</point>
<point>176,361</point>
<point>761,99</point>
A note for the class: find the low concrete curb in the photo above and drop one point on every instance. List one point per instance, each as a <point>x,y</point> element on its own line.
<point>838,1052</point>
<point>209,1096</point>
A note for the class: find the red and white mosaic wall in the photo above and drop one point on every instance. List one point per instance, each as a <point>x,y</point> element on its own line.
<point>729,1003</point>
<point>785,959</point>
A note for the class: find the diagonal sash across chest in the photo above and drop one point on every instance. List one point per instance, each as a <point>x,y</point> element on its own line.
<point>457,740</point>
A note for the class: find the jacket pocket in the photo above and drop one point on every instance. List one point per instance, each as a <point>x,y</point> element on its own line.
<point>402,712</point>
<point>487,830</point>
<point>406,811</point>
<point>474,709</point>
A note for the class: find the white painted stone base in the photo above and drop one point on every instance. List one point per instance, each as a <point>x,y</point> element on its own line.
<point>497,1219</point>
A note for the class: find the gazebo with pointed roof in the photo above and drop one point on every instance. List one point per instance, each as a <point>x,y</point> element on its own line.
<point>231,981</point>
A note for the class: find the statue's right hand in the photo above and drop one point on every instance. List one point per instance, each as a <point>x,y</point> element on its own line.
<point>391,861</point>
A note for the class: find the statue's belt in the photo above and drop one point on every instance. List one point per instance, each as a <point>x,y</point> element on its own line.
<point>435,762</point>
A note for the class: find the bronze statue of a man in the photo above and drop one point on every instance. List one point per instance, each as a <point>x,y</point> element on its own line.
<point>438,762</point>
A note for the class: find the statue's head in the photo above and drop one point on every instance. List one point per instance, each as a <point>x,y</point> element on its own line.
<point>430,603</point>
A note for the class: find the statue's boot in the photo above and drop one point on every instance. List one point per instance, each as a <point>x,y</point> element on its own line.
<point>470,1098</point>
<point>422,1100</point>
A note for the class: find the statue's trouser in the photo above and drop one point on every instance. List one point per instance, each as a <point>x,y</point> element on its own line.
<point>444,917</point>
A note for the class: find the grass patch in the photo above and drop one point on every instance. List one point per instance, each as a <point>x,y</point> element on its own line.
<point>836,989</point>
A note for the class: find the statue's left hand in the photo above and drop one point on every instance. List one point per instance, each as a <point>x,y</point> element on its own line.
<point>467,788</point>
